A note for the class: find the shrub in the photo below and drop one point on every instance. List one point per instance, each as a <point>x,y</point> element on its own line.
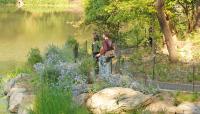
<point>53,55</point>
<point>71,41</point>
<point>55,101</point>
<point>86,66</point>
<point>34,56</point>
<point>50,74</point>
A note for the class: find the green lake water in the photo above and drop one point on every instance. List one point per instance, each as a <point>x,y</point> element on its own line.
<point>21,30</point>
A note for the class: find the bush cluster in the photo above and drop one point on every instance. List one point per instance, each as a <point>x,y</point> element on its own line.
<point>34,56</point>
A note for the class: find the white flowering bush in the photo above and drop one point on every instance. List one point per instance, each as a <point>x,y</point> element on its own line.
<point>53,55</point>
<point>57,72</point>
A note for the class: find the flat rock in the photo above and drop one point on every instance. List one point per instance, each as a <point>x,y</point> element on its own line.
<point>116,100</point>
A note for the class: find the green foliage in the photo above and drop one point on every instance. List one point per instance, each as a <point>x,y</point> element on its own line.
<point>50,74</point>
<point>55,101</point>
<point>86,66</point>
<point>7,1</point>
<point>180,97</point>
<point>126,20</point>
<point>34,56</point>
<point>20,69</point>
<point>71,41</point>
<point>97,86</point>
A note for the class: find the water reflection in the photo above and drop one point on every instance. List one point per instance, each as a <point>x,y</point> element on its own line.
<point>20,31</point>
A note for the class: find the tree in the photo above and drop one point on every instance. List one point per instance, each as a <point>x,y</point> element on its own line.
<point>197,23</point>
<point>166,30</point>
<point>110,15</point>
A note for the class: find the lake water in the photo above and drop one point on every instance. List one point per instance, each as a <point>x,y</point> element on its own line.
<point>21,30</point>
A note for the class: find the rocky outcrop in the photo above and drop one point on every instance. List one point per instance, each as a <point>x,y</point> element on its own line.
<point>183,108</point>
<point>26,105</point>
<point>188,108</point>
<point>8,86</point>
<point>116,100</point>
<point>14,101</point>
<point>19,96</point>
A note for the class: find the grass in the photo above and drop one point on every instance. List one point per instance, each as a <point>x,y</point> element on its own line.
<point>184,97</point>
<point>55,101</point>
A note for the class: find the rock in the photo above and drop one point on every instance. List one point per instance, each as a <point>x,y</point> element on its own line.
<point>11,83</point>
<point>81,99</point>
<point>14,102</point>
<point>116,100</point>
<point>188,108</point>
<point>27,104</point>
<point>21,75</point>
<point>8,86</point>
<point>16,90</point>
<point>159,107</point>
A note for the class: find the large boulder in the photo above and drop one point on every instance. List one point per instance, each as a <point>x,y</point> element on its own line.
<point>160,107</point>
<point>188,108</point>
<point>117,100</point>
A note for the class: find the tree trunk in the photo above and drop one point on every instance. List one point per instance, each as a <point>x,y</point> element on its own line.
<point>197,24</point>
<point>166,31</point>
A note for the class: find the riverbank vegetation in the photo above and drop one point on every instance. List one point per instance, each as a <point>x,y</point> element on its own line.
<point>157,42</point>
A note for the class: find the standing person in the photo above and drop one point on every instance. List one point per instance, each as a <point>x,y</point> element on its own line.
<point>105,56</point>
<point>96,45</point>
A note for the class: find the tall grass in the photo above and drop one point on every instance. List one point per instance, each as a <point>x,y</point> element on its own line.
<point>50,100</point>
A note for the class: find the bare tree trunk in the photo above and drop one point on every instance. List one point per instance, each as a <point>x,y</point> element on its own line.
<point>197,24</point>
<point>166,31</point>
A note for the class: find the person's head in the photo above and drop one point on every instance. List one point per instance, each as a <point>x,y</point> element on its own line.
<point>95,36</point>
<point>106,35</point>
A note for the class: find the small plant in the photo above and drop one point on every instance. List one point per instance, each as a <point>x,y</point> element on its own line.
<point>34,56</point>
<point>50,74</point>
<point>53,55</point>
<point>71,41</point>
<point>86,66</point>
<point>50,100</point>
